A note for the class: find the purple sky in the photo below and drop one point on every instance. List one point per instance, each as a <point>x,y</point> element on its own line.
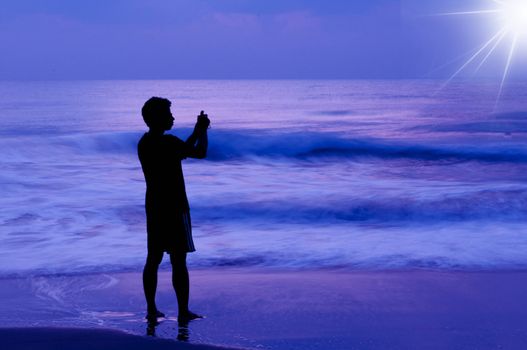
<point>229,39</point>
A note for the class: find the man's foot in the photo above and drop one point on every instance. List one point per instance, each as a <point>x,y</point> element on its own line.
<point>187,316</point>
<point>152,316</point>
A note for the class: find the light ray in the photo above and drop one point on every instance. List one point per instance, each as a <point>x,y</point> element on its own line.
<point>473,57</point>
<point>479,12</point>
<point>507,66</point>
<point>451,62</point>
<point>498,41</point>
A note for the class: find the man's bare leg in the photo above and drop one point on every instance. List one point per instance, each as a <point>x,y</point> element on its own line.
<point>180,281</point>
<point>153,260</point>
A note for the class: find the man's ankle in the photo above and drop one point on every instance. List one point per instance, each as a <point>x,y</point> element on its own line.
<point>151,310</point>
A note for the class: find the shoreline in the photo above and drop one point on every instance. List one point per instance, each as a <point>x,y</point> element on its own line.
<point>277,309</point>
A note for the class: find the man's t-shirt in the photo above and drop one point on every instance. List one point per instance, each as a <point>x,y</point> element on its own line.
<point>160,157</point>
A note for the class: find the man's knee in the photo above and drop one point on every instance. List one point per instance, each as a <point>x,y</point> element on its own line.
<point>154,259</point>
<point>178,260</point>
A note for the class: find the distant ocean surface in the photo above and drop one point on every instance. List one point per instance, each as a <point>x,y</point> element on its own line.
<point>300,174</point>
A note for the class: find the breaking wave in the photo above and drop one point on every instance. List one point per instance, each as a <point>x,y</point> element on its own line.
<point>227,145</point>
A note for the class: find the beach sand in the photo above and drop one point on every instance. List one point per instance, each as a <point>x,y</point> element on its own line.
<point>249,308</point>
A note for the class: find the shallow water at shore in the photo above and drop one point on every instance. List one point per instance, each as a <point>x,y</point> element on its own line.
<point>272,309</point>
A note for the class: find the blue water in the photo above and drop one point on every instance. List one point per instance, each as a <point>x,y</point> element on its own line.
<point>300,174</point>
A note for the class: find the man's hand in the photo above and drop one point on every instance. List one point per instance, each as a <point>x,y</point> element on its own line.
<point>197,142</point>
<point>203,123</point>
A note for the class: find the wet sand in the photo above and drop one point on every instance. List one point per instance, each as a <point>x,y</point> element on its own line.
<point>87,339</point>
<point>321,309</point>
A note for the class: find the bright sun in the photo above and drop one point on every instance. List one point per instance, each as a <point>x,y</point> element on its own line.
<point>512,16</point>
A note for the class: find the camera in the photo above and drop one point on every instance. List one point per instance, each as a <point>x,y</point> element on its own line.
<point>203,120</point>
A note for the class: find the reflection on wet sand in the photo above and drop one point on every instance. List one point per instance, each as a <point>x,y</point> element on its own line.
<point>183,330</point>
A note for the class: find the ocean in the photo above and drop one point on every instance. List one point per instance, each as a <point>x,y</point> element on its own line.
<point>366,174</point>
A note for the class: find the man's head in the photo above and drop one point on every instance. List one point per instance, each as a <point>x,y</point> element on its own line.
<point>156,114</point>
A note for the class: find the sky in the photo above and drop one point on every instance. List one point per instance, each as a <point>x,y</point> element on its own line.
<point>240,39</point>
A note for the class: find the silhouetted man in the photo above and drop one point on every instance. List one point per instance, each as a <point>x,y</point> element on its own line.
<point>167,211</point>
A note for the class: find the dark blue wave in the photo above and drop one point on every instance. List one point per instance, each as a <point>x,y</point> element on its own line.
<point>226,145</point>
<point>245,144</point>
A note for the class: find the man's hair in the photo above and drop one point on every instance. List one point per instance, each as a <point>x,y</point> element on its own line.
<point>152,108</point>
